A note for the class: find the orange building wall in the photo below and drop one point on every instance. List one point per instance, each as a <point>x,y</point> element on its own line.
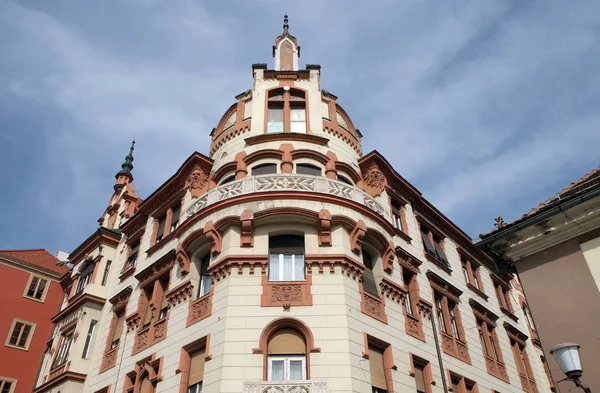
<point>15,363</point>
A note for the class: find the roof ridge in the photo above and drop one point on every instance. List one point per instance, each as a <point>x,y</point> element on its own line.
<point>26,250</point>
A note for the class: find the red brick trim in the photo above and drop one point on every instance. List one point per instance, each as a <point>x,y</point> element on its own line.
<point>388,357</point>
<point>372,306</point>
<point>81,300</point>
<point>200,308</point>
<point>286,293</point>
<point>184,360</point>
<point>325,228</point>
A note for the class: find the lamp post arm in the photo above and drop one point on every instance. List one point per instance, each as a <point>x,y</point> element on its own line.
<point>582,386</point>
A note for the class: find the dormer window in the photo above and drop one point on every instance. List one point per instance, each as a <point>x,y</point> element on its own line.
<point>286,111</point>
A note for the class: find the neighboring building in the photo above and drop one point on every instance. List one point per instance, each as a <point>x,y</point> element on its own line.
<point>555,248</point>
<point>285,261</point>
<point>30,295</point>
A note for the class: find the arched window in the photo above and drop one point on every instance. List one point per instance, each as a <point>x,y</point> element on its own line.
<point>286,111</point>
<point>308,169</point>
<point>264,169</point>
<point>286,351</point>
<point>286,258</point>
<point>344,179</point>
<point>228,179</point>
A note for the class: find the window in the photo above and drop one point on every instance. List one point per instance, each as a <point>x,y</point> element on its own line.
<point>64,347</point>
<point>369,284</point>
<point>205,279</point>
<point>148,314</point>
<point>471,274</point>
<point>133,255</point>
<point>433,246</point>
<point>7,385</point>
<point>275,118</point>
<point>286,111</point>
<point>85,277</point>
<point>228,179</point>
<point>397,217</point>
<point>176,212</point>
<point>117,329</point>
<point>421,370</point>
<point>105,274</point>
<point>21,334</point>
<point>264,169</point>
<point>407,278</point>
<point>164,304</point>
<point>523,366</point>
<point>286,356</point>
<point>528,316</point>
<point>462,385</point>
<point>196,372</point>
<point>377,369</point>
<point>308,169</point>
<point>160,233</point>
<point>446,311</point>
<point>503,295</point>
<point>489,343</point>
<point>36,288</point>
<point>286,258</point>
<point>344,179</point>
<point>88,340</point>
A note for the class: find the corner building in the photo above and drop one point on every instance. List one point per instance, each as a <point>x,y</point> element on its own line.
<point>286,261</point>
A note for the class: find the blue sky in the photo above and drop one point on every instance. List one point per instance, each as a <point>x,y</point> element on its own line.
<point>485,106</point>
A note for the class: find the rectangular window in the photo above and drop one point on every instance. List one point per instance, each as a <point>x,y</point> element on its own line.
<point>63,349</point>
<point>160,233</point>
<point>7,386</point>
<point>369,284</point>
<point>105,274</point>
<point>148,313</point>
<point>503,295</point>
<point>298,120</point>
<point>118,332</point>
<point>287,368</point>
<point>286,258</point>
<point>422,374</point>
<point>275,118</point>
<point>462,385</point>
<point>451,312</point>
<point>164,304</point>
<point>36,288</point>
<point>86,276</point>
<point>88,340</point>
<point>397,217</point>
<point>21,334</point>
<point>407,278</point>
<point>196,371</point>
<point>433,245</point>
<point>205,279</point>
<point>176,211</point>
<point>377,368</point>
<point>439,312</point>
<point>133,255</point>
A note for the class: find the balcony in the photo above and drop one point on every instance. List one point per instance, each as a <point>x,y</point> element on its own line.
<point>285,387</point>
<point>286,182</point>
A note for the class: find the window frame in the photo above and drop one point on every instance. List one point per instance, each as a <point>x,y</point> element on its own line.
<point>203,290</point>
<point>286,366</point>
<point>85,277</point>
<point>286,100</point>
<point>264,165</point>
<point>88,339</point>
<point>308,166</point>
<point>281,251</point>
<point>434,247</point>
<point>60,351</point>
<point>106,273</point>
<point>29,338</point>
<point>39,278</point>
<point>12,381</point>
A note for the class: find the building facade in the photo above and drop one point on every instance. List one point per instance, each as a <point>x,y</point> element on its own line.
<point>557,246</point>
<point>285,261</point>
<point>31,294</point>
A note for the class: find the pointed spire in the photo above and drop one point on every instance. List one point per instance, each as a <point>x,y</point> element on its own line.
<point>127,166</point>
<point>285,24</point>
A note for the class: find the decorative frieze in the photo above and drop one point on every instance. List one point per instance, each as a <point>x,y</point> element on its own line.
<point>393,291</point>
<point>373,306</point>
<point>286,293</point>
<point>200,308</point>
<point>180,293</point>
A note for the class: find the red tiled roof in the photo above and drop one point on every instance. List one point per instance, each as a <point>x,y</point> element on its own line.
<point>38,257</point>
<point>583,184</point>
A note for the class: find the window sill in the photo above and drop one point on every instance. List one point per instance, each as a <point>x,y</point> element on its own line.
<point>160,244</point>
<point>403,235</point>
<point>127,273</point>
<point>286,293</point>
<point>477,291</point>
<point>26,349</point>
<point>442,265</point>
<point>35,299</point>
<point>509,314</point>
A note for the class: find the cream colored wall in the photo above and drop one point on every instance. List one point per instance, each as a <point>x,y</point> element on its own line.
<point>591,253</point>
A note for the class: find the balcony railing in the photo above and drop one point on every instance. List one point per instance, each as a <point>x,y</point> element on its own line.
<point>285,387</point>
<point>285,182</point>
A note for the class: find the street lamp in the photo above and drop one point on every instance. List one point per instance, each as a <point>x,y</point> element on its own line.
<point>567,357</point>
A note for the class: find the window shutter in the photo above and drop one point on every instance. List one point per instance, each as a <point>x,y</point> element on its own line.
<point>419,378</point>
<point>196,367</point>
<point>369,284</point>
<point>146,386</point>
<point>148,316</point>
<point>440,253</point>
<point>286,342</point>
<point>119,327</point>
<point>377,369</point>
<point>164,302</point>
<point>428,246</point>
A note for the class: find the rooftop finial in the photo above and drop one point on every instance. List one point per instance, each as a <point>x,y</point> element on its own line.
<point>127,166</point>
<point>285,24</point>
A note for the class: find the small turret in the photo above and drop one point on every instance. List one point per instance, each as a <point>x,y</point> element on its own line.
<point>286,50</point>
<point>124,176</point>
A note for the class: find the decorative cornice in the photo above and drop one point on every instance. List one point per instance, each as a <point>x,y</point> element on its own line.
<point>392,290</point>
<point>85,298</point>
<point>222,268</point>
<point>159,268</point>
<point>349,266</point>
<point>515,334</point>
<point>64,377</point>
<point>132,321</point>
<point>424,308</point>
<point>101,237</point>
<point>483,313</point>
<point>119,301</point>
<point>407,260</point>
<point>444,287</point>
<point>180,293</point>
